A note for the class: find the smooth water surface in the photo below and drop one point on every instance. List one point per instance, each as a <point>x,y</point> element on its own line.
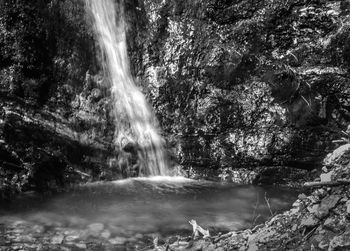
<point>161,205</point>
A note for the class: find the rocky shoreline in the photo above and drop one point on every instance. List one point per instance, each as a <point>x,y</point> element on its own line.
<point>319,221</point>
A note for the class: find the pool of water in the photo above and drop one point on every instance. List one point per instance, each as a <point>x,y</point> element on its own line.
<point>134,211</point>
<point>161,205</point>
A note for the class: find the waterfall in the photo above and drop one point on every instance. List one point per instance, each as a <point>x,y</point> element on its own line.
<point>134,119</point>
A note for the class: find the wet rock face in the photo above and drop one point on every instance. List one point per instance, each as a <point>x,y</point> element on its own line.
<point>43,151</point>
<point>244,82</point>
<point>55,125</point>
<point>233,83</point>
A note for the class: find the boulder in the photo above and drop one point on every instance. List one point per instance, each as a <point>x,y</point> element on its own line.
<point>118,240</point>
<point>58,239</point>
<point>309,220</point>
<point>327,204</point>
<point>95,229</point>
<point>336,154</point>
<point>341,242</point>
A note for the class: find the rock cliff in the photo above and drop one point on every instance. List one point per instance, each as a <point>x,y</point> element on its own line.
<point>234,84</point>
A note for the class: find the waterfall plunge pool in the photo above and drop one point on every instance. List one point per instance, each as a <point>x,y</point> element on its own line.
<point>132,209</point>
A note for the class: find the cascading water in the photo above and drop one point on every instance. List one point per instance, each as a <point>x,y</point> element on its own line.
<point>134,119</point>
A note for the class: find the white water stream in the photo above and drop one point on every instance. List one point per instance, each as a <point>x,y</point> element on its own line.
<point>134,120</point>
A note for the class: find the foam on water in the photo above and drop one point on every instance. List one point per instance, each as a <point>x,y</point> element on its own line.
<point>155,180</point>
<point>159,179</point>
